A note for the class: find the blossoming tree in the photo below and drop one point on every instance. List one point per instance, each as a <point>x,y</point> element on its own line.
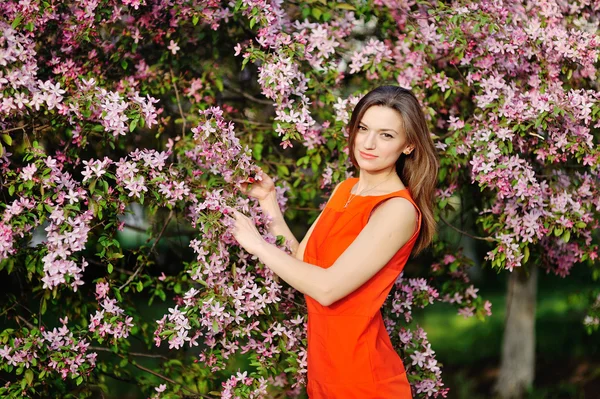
<point>171,104</point>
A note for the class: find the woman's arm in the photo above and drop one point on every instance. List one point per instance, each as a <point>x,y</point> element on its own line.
<point>389,228</point>
<point>278,225</point>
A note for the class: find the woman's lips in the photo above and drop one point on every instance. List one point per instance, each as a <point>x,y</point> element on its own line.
<point>367,156</point>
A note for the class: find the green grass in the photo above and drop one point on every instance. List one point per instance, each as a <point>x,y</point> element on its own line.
<point>567,358</point>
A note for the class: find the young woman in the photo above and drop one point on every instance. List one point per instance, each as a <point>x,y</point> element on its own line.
<point>353,253</point>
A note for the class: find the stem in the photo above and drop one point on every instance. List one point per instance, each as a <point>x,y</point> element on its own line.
<point>138,354</point>
<point>178,102</point>
<point>154,373</point>
<point>26,322</point>
<point>15,128</point>
<point>267,125</point>
<point>247,96</point>
<point>489,239</point>
<point>137,270</point>
<point>179,232</point>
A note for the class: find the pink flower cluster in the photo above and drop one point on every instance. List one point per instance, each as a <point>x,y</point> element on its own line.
<point>459,290</point>
<point>374,52</point>
<point>422,363</point>
<point>65,236</point>
<point>64,353</point>
<point>6,241</point>
<point>238,385</point>
<point>411,292</point>
<point>110,320</point>
<point>68,364</point>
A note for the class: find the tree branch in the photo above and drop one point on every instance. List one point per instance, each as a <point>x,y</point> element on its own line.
<point>26,322</point>
<point>178,102</point>
<point>137,354</point>
<point>246,95</point>
<point>154,373</point>
<point>489,239</point>
<point>262,124</point>
<point>137,270</point>
<point>15,128</point>
<point>34,127</point>
<point>179,232</point>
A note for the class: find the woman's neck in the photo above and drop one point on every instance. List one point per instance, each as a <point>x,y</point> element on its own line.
<point>367,181</point>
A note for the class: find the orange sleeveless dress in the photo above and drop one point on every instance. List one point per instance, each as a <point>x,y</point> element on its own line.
<point>350,355</point>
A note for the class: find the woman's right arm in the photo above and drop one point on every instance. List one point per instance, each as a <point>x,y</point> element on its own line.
<point>278,225</point>
<point>264,191</point>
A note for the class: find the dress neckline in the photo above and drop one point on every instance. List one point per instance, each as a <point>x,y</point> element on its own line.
<point>372,196</point>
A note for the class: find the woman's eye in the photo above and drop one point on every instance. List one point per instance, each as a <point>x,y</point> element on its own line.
<point>387,135</point>
<point>362,128</point>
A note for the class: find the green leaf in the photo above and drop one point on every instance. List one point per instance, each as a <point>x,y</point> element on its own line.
<point>316,13</point>
<point>195,20</point>
<point>7,139</point>
<point>257,151</point>
<point>558,231</point>
<point>566,236</point>
<point>29,376</point>
<point>133,125</point>
<point>124,63</point>
<point>345,6</point>
<point>282,170</point>
<point>219,84</point>
<point>43,306</point>
<point>17,21</point>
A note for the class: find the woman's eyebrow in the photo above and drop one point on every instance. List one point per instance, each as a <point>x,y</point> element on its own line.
<point>361,123</point>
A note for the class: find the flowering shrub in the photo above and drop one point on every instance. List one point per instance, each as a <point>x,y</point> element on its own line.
<point>170,105</point>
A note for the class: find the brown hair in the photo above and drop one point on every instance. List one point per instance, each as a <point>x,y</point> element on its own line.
<point>419,169</point>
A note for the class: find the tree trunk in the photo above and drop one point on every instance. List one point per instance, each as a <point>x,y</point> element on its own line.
<point>517,366</point>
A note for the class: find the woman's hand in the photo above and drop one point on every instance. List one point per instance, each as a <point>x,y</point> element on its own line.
<point>259,188</point>
<point>245,233</point>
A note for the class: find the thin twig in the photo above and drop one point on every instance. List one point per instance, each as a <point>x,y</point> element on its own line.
<point>31,326</point>
<point>15,128</point>
<point>162,231</point>
<point>154,373</point>
<point>268,125</point>
<point>246,95</point>
<point>179,232</point>
<point>12,129</point>
<point>137,270</point>
<point>489,239</point>
<point>178,103</point>
<point>138,354</point>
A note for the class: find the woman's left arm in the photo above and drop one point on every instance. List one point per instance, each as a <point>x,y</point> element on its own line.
<point>390,226</point>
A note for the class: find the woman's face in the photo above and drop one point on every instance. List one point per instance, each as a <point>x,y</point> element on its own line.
<point>380,139</point>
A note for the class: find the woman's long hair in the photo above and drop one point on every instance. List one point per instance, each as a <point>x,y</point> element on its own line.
<point>419,169</point>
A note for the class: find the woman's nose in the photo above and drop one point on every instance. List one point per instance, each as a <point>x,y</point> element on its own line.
<point>370,141</point>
